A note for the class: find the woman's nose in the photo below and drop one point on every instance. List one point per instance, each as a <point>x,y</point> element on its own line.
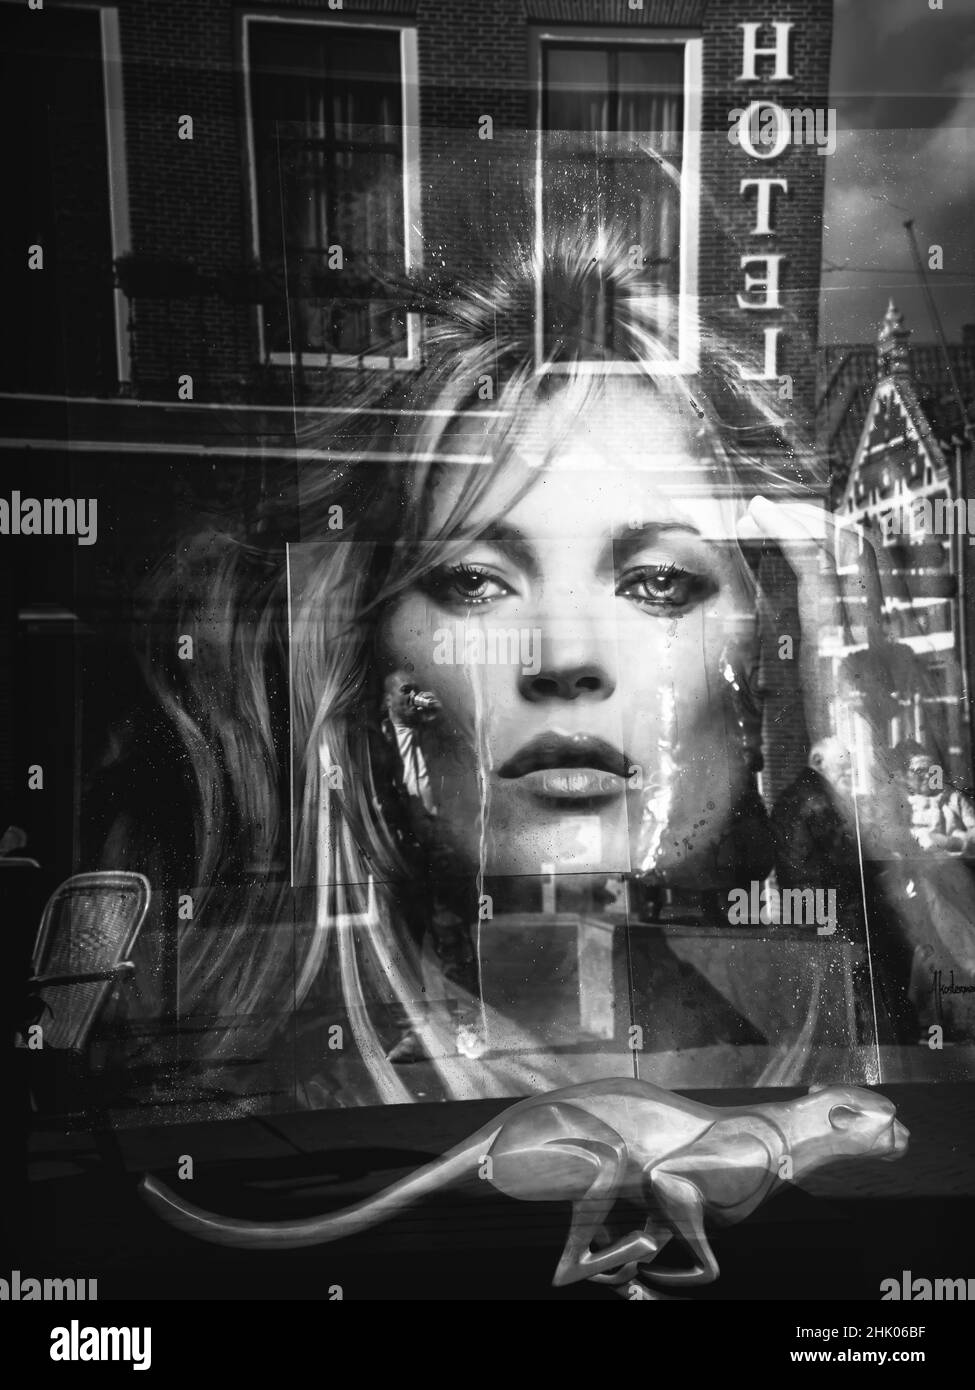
<point>572,663</point>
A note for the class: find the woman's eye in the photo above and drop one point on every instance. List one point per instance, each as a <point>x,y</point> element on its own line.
<point>664,586</point>
<point>466,584</point>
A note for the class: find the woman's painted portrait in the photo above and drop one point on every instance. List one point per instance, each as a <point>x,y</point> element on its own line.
<point>472,745</point>
<point>486,652</point>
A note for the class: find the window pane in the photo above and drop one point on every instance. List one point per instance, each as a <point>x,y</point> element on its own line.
<point>644,204</point>
<point>328,140</point>
<point>650,85</point>
<point>59,326</point>
<point>577,89</point>
<point>606,112</point>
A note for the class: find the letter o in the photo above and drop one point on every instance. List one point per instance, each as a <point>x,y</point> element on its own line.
<point>783,130</point>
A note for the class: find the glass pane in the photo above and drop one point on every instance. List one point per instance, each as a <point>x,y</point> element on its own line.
<point>576,89</point>
<point>608,113</point>
<point>289,62</point>
<point>650,96</point>
<point>59,328</point>
<point>328,138</point>
<point>645,205</point>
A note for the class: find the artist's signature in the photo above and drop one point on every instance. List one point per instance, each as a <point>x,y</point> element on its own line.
<point>952,988</point>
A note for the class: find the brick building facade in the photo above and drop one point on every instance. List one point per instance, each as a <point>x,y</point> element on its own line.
<point>188,222</point>
<point>165,303</point>
<point>906,482</point>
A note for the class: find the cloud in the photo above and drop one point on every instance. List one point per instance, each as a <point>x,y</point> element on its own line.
<point>897,63</point>
<point>903,83</point>
<point>876,180</point>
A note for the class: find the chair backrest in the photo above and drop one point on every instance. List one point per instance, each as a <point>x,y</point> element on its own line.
<point>89,923</point>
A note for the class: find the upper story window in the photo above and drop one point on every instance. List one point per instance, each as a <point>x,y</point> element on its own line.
<point>332,141</point>
<point>61,227</point>
<point>619,123</point>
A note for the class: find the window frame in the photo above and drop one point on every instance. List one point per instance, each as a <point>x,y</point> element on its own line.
<point>118,177</point>
<point>412,240</point>
<point>600,36</point>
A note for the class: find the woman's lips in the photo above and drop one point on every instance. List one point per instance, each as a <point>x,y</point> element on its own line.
<point>572,783</point>
<point>579,768</point>
<point>557,752</point>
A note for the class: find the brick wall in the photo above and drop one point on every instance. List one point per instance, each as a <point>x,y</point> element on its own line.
<point>785,745</point>
<point>189,199</point>
<point>726,236</point>
<point>797,216</point>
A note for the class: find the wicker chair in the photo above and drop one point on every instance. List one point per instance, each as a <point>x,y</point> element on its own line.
<point>87,931</point>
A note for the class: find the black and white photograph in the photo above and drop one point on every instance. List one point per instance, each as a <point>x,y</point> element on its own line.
<point>487,744</point>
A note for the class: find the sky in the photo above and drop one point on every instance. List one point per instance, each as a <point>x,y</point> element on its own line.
<point>903,86</point>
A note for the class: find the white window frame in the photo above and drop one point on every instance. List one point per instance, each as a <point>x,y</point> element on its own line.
<point>116,168</point>
<point>412,241</point>
<point>688,336</point>
<point>118,177</point>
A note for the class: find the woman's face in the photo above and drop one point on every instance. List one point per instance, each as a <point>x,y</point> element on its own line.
<point>579,648</point>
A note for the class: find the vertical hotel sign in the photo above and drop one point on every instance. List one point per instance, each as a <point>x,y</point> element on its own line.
<point>764,130</point>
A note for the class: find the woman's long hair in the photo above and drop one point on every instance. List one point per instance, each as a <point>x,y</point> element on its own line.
<point>297,876</point>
